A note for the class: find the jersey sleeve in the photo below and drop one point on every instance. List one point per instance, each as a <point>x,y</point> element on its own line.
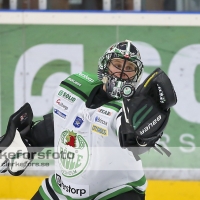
<point>42,133</point>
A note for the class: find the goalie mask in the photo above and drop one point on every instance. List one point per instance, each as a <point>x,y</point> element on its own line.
<point>120,69</point>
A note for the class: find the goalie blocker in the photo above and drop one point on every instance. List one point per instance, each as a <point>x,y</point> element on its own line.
<point>12,141</point>
<point>146,113</point>
<point>24,137</point>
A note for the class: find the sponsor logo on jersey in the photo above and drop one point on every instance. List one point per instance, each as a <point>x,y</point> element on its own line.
<point>73,81</point>
<point>78,122</point>
<point>101,121</point>
<point>105,112</point>
<point>74,152</point>
<point>150,125</point>
<point>86,77</point>
<point>99,130</point>
<point>67,96</point>
<point>69,189</point>
<point>60,103</point>
<point>59,113</point>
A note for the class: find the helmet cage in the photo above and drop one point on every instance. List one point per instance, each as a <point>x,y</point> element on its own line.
<point>130,53</point>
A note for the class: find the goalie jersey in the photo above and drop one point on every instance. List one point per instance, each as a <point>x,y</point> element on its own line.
<point>90,162</point>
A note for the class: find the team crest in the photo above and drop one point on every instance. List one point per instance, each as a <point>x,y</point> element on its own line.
<point>74,153</point>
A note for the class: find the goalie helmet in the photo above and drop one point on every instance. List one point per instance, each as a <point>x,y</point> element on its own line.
<point>116,86</point>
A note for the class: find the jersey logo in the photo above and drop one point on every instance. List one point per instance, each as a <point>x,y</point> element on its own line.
<point>73,81</point>
<point>74,153</point>
<point>72,189</point>
<point>71,139</point>
<point>85,77</point>
<point>100,130</point>
<point>59,113</point>
<point>66,96</point>
<point>105,112</point>
<point>101,121</point>
<point>78,122</point>
<point>61,104</point>
<point>150,125</point>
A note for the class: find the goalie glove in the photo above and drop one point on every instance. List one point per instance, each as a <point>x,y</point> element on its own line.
<point>146,113</point>
<point>15,152</point>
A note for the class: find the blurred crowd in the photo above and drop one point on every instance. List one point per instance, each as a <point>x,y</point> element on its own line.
<point>137,5</point>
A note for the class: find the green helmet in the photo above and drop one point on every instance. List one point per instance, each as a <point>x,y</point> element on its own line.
<point>123,50</point>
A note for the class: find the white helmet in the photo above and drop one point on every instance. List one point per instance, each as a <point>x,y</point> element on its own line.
<point>117,87</point>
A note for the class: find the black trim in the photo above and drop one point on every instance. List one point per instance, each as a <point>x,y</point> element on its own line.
<point>37,196</point>
<point>120,114</point>
<point>133,194</point>
<point>91,98</point>
<point>114,105</point>
<point>50,190</point>
<point>75,89</point>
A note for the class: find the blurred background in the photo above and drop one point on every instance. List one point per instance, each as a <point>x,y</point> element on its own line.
<point>137,5</point>
<point>43,41</point>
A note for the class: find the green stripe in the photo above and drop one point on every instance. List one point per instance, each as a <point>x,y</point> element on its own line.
<point>136,124</point>
<point>113,194</point>
<point>59,191</point>
<point>138,183</point>
<point>55,185</point>
<point>42,193</point>
<point>86,86</point>
<point>118,102</point>
<point>134,184</point>
<point>113,105</point>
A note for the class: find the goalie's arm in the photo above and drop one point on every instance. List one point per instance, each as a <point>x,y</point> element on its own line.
<point>42,133</point>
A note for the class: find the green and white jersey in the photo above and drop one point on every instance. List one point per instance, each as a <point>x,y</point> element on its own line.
<point>91,163</point>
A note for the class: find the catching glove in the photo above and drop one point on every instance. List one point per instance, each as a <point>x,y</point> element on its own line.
<point>146,113</point>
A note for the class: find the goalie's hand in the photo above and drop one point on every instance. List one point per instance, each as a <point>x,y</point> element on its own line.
<point>15,153</point>
<point>145,114</point>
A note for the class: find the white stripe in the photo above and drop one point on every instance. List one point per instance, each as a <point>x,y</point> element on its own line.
<point>61,197</point>
<point>45,190</point>
<point>124,110</point>
<point>143,187</point>
<point>111,191</point>
<point>100,18</point>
